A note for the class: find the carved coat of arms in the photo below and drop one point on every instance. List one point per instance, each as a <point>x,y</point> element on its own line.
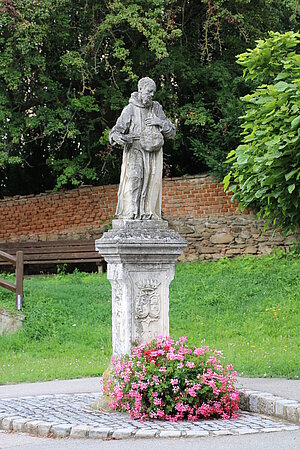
<point>147,302</point>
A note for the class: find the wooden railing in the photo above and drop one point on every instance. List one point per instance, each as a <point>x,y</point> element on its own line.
<point>18,261</point>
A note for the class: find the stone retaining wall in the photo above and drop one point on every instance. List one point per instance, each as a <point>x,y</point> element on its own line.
<point>195,206</point>
<point>230,235</point>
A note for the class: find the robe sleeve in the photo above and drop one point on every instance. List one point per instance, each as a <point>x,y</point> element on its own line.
<point>122,125</point>
<point>167,128</point>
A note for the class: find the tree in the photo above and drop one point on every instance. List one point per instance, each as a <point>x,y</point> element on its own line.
<point>67,69</point>
<point>266,166</point>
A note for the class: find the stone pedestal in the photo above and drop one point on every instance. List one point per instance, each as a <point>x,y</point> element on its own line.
<point>141,258</point>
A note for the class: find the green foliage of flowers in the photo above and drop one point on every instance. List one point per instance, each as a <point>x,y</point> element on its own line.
<point>168,380</point>
<point>266,166</point>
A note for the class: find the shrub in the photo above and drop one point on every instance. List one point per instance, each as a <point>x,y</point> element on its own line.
<point>170,381</point>
<point>266,167</point>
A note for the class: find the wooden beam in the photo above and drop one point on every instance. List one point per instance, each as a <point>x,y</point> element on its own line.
<point>8,285</point>
<point>7,257</point>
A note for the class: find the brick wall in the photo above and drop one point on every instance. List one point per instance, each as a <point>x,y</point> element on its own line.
<point>195,197</point>
<point>195,206</point>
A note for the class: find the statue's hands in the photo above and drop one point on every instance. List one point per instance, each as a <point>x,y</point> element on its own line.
<point>153,120</point>
<point>122,139</point>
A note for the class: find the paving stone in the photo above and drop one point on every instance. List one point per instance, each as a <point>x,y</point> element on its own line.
<point>270,430</point>
<point>196,433</point>
<point>32,426</point>
<point>253,402</point>
<point>290,428</point>
<point>123,433</point>
<point>266,404</point>
<point>292,413</point>
<point>145,434</point>
<point>280,406</point>
<point>170,434</point>
<point>7,423</point>
<point>43,428</point>
<point>245,431</point>
<point>221,432</point>
<point>61,430</point>
<point>298,410</point>
<point>67,414</point>
<point>18,425</point>
<point>99,433</point>
<point>79,432</point>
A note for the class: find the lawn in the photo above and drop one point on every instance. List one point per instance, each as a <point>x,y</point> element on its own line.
<point>249,308</point>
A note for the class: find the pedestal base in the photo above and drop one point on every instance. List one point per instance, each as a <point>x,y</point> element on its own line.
<point>141,258</point>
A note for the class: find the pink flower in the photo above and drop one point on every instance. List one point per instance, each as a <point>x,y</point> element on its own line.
<point>135,375</point>
<point>234,396</point>
<point>191,365</point>
<point>199,351</point>
<point>192,392</point>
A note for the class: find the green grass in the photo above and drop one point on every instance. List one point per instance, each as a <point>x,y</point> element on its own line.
<point>249,308</point>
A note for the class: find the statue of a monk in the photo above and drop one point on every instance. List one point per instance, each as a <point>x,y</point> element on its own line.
<point>141,128</point>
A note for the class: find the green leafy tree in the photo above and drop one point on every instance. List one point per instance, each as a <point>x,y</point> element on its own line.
<point>68,67</point>
<point>266,166</point>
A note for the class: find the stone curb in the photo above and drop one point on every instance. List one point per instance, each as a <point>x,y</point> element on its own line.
<point>270,405</point>
<point>250,401</point>
<point>49,429</point>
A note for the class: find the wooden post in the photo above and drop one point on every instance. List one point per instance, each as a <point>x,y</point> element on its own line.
<point>19,279</point>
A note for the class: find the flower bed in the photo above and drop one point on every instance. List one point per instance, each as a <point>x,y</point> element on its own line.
<point>167,380</point>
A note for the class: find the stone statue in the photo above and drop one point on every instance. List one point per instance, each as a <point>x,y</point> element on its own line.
<point>141,128</point>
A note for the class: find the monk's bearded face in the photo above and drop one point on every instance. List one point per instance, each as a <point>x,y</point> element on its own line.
<point>146,94</point>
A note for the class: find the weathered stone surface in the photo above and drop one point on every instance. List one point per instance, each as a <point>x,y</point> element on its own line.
<point>10,322</point>
<point>250,250</point>
<point>265,249</point>
<point>18,425</point>
<point>141,129</point>
<point>99,433</point>
<point>209,250</point>
<point>61,430</point>
<point>141,259</point>
<point>7,423</point>
<point>32,426</point>
<point>123,433</point>
<point>221,238</point>
<point>145,434</point>
<point>233,251</point>
<point>43,428</point>
<point>199,228</point>
<point>192,257</point>
<point>170,434</point>
<point>246,232</point>
<point>266,404</point>
<point>79,431</point>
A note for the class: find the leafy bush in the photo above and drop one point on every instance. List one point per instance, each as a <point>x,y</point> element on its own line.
<point>68,67</point>
<point>170,381</point>
<point>266,166</point>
